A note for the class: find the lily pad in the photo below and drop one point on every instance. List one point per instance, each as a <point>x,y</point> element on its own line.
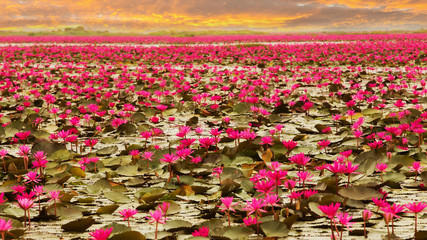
<point>177,225</point>
<point>106,151</point>
<point>394,176</point>
<point>274,229</point>
<point>359,193</point>
<point>118,197</point>
<point>79,225</point>
<point>238,232</point>
<point>62,155</point>
<point>47,147</point>
<point>134,235</point>
<point>127,128</point>
<point>107,209</point>
<point>128,170</point>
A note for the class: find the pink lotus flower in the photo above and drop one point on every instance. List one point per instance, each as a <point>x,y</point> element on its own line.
<point>267,141</point>
<point>127,214</point>
<point>147,156</point>
<point>323,144</point>
<point>3,154</point>
<point>330,210</point>
<point>23,135</point>
<point>264,187</point>
<point>156,217</point>
<point>32,177</point>
<point>381,167</point>
<point>101,234</point>
<point>289,145</point>
<point>217,172</point>
<point>366,215</point>
<point>164,206</point>
<point>417,168</point>
<point>249,221</point>
<point>344,219</point>
<point>2,200</point>
<point>416,207</point>
<point>18,189</point>
<point>5,226</point>
<point>227,205</point>
<point>300,159</point>
<point>201,232</point>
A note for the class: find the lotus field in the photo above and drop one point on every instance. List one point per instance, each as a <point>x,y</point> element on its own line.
<point>227,137</point>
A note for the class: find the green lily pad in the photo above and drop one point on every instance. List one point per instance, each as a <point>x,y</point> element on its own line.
<point>274,229</point>
<point>62,155</point>
<point>107,209</point>
<point>394,176</point>
<point>177,225</point>
<point>77,172</point>
<point>106,151</point>
<point>128,170</point>
<point>238,232</point>
<point>66,211</point>
<point>79,225</point>
<point>152,195</point>
<point>359,193</point>
<point>118,197</point>
<point>134,235</point>
<point>127,128</point>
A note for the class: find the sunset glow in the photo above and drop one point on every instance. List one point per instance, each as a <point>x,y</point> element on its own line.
<point>177,15</point>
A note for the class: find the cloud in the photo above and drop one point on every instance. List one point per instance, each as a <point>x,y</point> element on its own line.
<point>274,15</point>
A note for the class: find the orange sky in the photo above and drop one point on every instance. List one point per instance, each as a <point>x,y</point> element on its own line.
<point>177,15</point>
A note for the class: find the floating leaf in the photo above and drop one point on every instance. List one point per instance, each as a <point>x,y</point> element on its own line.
<point>289,221</point>
<point>127,128</point>
<point>368,160</point>
<point>128,170</point>
<point>274,229</point>
<point>47,147</point>
<point>77,172</point>
<point>185,190</point>
<point>359,193</point>
<point>65,211</point>
<point>117,197</point>
<point>79,225</point>
<point>314,207</point>
<point>241,108</point>
<point>62,155</point>
<point>197,238</point>
<point>134,235</point>
<point>394,176</point>
<point>423,176</point>
<point>107,209</point>
<point>212,223</point>
<point>152,195</point>
<point>238,232</point>
<point>107,151</point>
<point>177,225</point>
<point>267,155</point>
<point>117,228</point>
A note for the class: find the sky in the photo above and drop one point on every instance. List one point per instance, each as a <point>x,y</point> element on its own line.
<point>196,15</point>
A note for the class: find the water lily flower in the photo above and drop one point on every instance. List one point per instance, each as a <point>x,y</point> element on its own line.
<point>101,234</point>
<point>4,227</point>
<point>127,214</point>
<point>201,232</point>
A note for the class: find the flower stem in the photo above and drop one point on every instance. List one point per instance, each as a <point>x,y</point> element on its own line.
<point>364,228</point>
